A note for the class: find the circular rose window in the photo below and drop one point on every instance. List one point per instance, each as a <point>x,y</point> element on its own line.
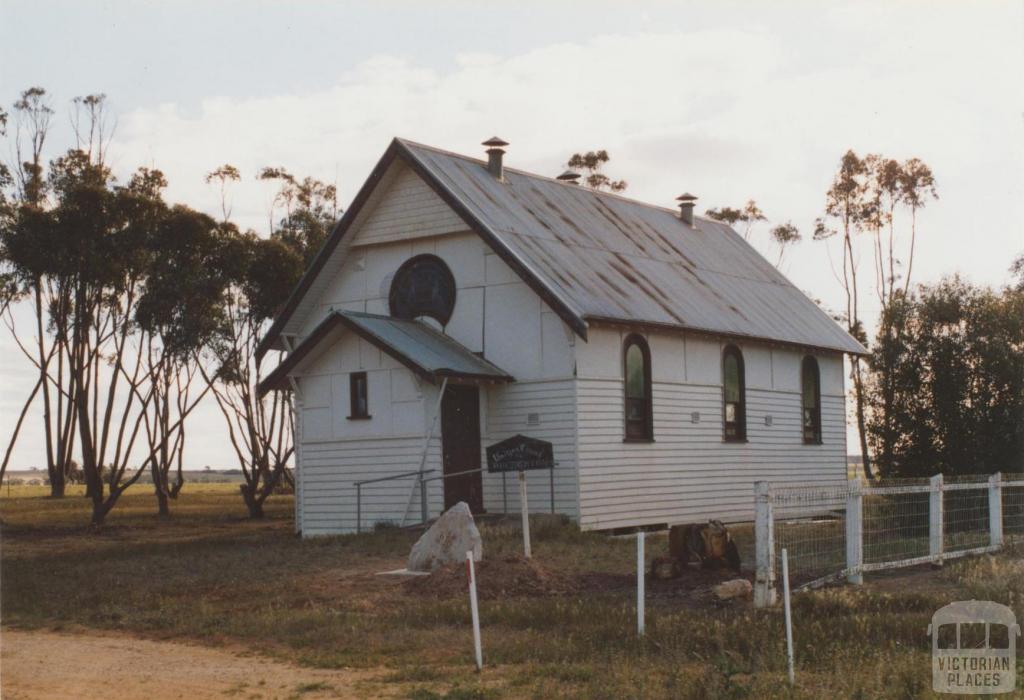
<point>423,286</point>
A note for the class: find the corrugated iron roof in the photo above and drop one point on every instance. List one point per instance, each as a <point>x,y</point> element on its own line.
<point>597,257</point>
<point>435,353</point>
<point>428,352</point>
<point>614,259</point>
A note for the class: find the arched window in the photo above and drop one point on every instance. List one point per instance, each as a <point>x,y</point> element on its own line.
<point>734,393</point>
<point>636,361</point>
<point>810,393</point>
<point>423,286</point>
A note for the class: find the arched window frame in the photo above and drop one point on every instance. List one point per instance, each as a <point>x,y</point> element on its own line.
<point>637,430</point>
<point>442,316</point>
<point>810,416</point>
<point>735,430</point>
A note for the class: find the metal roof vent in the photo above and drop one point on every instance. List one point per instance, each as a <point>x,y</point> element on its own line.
<point>569,177</point>
<point>686,204</point>
<point>495,150</point>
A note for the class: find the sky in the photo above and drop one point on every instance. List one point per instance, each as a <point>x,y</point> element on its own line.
<point>727,100</point>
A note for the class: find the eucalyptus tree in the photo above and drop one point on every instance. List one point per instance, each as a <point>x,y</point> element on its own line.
<point>785,235</point>
<point>261,273</point>
<point>310,208</point>
<point>845,208</point>
<point>749,216</point>
<point>179,310</point>
<point>917,187</point>
<point>592,163</point>
<point>9,288</point>
<point>26,239</point>
<point>892,186</point>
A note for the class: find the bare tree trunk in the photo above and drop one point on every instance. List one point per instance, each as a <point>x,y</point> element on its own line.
<point>862,433</point>
<point>252,501</point>
<point>17,428</point>
<point>160,488</point>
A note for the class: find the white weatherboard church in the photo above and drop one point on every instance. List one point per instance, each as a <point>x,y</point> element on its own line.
<point>670,365</point>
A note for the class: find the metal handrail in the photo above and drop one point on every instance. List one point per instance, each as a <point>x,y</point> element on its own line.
<point>445,476</point>
<point>359,490</point>
<point>423,492</point>
<point>403,475</point>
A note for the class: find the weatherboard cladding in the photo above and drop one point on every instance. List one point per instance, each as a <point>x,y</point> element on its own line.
<point>600,257</point>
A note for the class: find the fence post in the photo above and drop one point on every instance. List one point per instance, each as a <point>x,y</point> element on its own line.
<point>854,532</point>
<point>359,508</point>
<point>423,499</point>
<point>995,509</point>
<point>935,539</point>
<point>641,593</point>
<point>764,536</point>
<point>552,475</point>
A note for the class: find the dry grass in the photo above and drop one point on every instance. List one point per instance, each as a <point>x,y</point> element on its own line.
<point>209,575</point>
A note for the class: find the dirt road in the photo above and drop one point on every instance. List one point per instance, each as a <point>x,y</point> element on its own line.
<point>47,665</point>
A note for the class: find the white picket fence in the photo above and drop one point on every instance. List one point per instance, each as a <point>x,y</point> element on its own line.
<point>845,531</point>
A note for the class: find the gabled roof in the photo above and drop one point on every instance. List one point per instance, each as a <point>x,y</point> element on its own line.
<point>427,352</point>
<point>596,257</point>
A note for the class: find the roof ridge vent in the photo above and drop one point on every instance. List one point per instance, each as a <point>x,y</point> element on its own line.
<point>570,177</point>
<point>495,151</point>
<point>686,203</point>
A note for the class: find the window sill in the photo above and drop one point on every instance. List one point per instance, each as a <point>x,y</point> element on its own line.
<point>735,441</point>
<point>638,440</point>
<point>358,417</point>
<point>813,442</point>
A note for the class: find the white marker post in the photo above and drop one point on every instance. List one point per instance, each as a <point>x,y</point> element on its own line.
<point>475,610</point>
<point>640,612</point>
<point>789,617</point>
<point>526,514</point>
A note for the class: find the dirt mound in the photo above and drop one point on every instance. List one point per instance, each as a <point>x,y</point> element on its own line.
<point>495,578</point>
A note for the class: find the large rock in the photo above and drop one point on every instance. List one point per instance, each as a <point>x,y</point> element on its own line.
<point>737,588</point>
<point>447,541</point>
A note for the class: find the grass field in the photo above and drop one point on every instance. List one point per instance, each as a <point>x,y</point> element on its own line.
<point>562,627</point>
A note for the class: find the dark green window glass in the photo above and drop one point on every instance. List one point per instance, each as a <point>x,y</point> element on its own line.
<point>734,416</point>
<point>637,389</point>
<point>810,399</point>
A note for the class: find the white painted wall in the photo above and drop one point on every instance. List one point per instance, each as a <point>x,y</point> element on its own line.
<point>689,474</point>
<point>495,314</point>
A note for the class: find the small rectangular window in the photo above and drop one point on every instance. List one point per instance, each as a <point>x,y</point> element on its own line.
<point>359,406</point>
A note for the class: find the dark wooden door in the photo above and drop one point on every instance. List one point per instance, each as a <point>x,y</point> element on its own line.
<point>460,446</point>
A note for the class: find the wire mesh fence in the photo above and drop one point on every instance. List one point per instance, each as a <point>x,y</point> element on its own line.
<point>895,525</point>
<point>965,504</point>
<point>835,532</point>
<point>1013,507</point>
<point>810,524</point>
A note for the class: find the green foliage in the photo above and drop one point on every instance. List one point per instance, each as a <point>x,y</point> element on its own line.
<point>783,235</point>
<point>1017,270</point>
<point>948,384</point>
<point>310,210</point>
<point>750,214</point>
<point>786,233</point>
<point>183,301</point>
<point>591,163</point>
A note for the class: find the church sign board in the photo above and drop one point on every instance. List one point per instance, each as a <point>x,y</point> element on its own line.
<point>520,453</point>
